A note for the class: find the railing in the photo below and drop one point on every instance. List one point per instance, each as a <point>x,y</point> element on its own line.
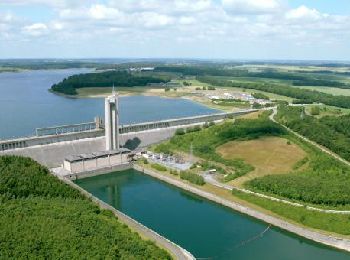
<point>94,129</point>
<point>74,128</point>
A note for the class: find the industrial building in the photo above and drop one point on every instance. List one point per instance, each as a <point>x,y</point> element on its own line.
<point>98,160</point>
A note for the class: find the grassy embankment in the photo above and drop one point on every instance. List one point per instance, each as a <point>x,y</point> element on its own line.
<point>42,218</point>
<point>319,180</point>
<point>332,224</point>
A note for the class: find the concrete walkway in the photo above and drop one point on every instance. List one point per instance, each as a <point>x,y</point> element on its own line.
<point>336,242</point>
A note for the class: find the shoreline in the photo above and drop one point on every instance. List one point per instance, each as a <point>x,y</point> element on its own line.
<point>145,94</point>
<point>307,233</point>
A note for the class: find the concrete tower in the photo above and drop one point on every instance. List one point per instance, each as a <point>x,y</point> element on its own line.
<point>112,122</point>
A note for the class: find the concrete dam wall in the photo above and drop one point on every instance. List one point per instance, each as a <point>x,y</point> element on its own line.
<point>51,150</point>
<point>52,155</point>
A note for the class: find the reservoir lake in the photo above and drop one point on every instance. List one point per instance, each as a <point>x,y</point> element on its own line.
<point>206,229</point>
<point>26,104</point>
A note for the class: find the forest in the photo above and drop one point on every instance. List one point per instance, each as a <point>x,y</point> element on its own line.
<point>43,218</point>
<point>104,79</point>
<point>325,181</point>
<point>332,132</point>
<point>297,79</point>
<point>293,92</point>
<point>321,179</point>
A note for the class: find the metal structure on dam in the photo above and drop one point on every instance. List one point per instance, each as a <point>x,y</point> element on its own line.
<point>96,129</point>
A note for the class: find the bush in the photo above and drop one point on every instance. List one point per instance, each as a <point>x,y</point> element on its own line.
<point>196,128</point>
<point>173,172</point>
<point>145,161</point>
<point>180,131</point>
<point>211,88</point>
<point>260,96</point>
<point>315,110</point>
<point>159,167</point>
<point>256,105</point>
<point>192,177</point>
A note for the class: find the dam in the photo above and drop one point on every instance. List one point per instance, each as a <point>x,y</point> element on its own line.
<point>50,146</point>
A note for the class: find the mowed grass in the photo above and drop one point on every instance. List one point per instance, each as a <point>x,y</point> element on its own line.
<point>253,115</point>
<point>269,155</point>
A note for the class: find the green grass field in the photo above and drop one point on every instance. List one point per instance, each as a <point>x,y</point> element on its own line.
<point>329,90</point>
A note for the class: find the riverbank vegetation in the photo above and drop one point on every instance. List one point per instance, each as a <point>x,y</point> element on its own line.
<point>70,85</point>
<point>335,223</point>
<point>192,178</point>
<point>46,219</point>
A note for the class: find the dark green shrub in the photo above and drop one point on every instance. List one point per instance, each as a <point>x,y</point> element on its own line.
<point>192,177</point>
<point>158,167</point>
<point>180,131</point>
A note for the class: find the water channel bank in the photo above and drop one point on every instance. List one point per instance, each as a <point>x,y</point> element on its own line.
<point>176,251</point>
<point>343,244</point>
<point>204,228</point>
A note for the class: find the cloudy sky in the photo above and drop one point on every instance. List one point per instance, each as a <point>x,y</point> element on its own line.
<point>228,29</point>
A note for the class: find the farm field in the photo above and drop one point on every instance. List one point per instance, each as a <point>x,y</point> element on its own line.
<point>268,155</point>
<point>329,90</point>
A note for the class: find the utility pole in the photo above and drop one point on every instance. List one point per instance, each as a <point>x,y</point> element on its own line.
<point>191,152</point>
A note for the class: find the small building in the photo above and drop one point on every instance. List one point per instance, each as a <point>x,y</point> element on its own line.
<point>97,160</point>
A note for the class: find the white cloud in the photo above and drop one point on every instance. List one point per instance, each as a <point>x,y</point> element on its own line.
<point>36,29</point>
<point>252,6</point>
<point>206,23</point>
<point>303,13</point>
<point>153,20</point>
<point>103,12</point>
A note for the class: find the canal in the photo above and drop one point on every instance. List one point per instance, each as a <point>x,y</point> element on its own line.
<point>206,229</point>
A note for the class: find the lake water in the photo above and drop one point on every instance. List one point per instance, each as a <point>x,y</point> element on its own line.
<point>26,103</point>
<point>206,229</point>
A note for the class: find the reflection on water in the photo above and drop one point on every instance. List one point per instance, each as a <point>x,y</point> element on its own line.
<point>206,229</point>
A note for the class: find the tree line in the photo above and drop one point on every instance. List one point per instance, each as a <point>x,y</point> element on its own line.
<point>104,79</point>
<point>43,218</point>
<point>297,93</point>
